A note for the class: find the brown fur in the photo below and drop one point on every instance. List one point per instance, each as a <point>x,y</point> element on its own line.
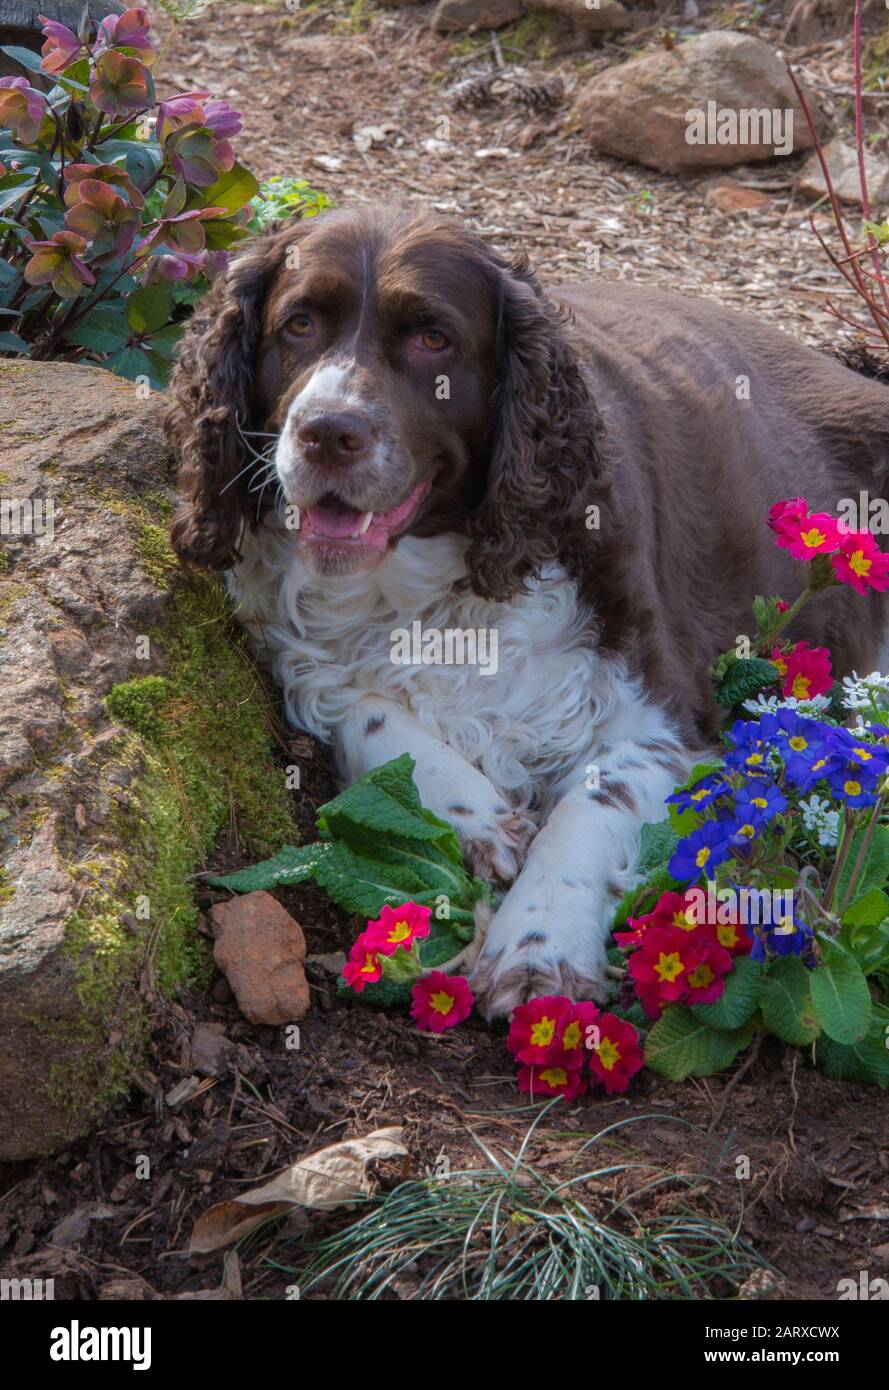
<point>619,398</point>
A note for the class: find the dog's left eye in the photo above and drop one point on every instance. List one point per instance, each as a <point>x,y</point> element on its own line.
<point>299,325</point>
<point>433,340</point>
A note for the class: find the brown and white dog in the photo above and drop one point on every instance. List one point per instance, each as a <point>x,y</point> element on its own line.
<point>586,475</point>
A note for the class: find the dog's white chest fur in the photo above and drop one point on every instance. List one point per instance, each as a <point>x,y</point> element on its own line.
<point>330,642</point>
<point>556,728</point>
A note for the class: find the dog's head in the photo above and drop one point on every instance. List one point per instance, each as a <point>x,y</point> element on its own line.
<point>383,373</point>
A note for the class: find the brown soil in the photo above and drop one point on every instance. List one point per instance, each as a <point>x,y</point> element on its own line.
<point>815,1202</point>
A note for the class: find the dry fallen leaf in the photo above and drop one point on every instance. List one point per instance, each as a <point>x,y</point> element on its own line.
<point>330,1178</point>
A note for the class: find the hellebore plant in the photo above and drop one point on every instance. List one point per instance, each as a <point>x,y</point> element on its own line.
<point>116,210</point>
<point>767,910</point>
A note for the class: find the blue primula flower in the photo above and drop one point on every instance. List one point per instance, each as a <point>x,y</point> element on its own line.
<point>750,751</point>
<point>698,855</point>
<point>701,795</point>
<point>760,803</point>
<point>788,936</point>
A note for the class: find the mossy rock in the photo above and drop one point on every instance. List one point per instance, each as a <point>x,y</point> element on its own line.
<point>133,730</point>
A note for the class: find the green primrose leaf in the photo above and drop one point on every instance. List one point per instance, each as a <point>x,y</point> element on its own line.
<point>681,1044</point>
<point>739,1002</point>
<point>867,1060</point>
<point>875,869</point>
<point>786,1002</point>
<point>745,679</point>
<point>840,996</point>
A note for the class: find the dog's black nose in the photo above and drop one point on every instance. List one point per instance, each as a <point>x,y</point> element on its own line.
<point>334,438</point>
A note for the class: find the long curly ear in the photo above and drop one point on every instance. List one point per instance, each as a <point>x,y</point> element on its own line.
<point>544,468</point>
<point>211,402</point>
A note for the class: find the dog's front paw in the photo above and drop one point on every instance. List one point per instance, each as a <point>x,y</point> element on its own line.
<point>526,955</point>
<point>495,841</point>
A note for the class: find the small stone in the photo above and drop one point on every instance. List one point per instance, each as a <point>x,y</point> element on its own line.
<point>730,197</point>
<point>210,1049</point>
<point>842,162</point>
<point>331,961</point>
<point>807,1224</point>
<point>124,1290</point>
<point>261,949</point>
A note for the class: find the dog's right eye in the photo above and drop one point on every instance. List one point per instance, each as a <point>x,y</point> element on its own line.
<point>300,324</point>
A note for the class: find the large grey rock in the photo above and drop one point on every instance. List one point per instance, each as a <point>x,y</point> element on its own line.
<point>718,100</point>
<point>100,820</point>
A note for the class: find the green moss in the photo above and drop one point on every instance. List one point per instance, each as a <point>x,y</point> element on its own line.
<point>10,594</point>
<point>6,888</point>
<point>531,37</point>
<point>195,757</point>
<point>139,703</point>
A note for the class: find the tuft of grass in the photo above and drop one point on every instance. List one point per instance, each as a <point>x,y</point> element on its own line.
<point>509,1232</point>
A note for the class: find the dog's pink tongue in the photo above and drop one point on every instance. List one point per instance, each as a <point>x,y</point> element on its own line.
<point>335,523</point>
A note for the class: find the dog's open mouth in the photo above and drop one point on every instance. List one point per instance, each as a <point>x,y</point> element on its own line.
<point>333,522</point>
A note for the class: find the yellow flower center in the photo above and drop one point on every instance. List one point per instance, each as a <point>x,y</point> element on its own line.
<point>684,920</point>
<point>608,1053</point>
<point>555,1076</point>
<point>786,926</point>
<point>726,934</point>
<point>761,802</point>
<point>747,830</point>
<point>701,976</point>
<point>399,932</point>
<point>441,1001</point>
<point>798,743</point>
<point>571,1036</point>
<point>668,967</point>
<point>801,687</point>
<point>859,562</point>
<point>699,796</point>
<point>863,754</point>
<point>812,538</point>
<point>370,964</point>
<point>542,1032</point>
<point>755,759</point>
<point>852,788</point>
<point>702,856</point>
<point>780,665</point>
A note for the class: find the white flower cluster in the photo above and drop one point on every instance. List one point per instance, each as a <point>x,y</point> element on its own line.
<point>866,692</point>
<point>818,815</point>
<point>768,704</point>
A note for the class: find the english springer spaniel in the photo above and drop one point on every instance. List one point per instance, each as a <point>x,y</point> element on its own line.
<point>382,423</point>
